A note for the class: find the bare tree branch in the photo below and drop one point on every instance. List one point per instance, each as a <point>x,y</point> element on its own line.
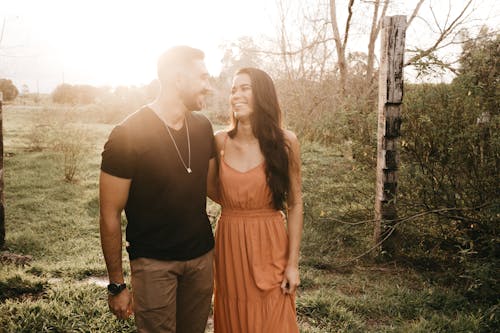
<point>393,228</point>
<point>446,31</point>
<point>384,11</point>
<point>415,12</point>
<point>3,29</point>
<point>436,22</point>
<point>348,23</point>
<point>335,27</point>
<point>339,45</point>
<point>374,31</point>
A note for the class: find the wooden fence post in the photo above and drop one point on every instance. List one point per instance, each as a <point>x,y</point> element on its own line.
<point>2,210</point>
<point>388,131</point>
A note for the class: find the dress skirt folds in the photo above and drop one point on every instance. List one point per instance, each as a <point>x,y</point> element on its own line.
<point>251,245</point>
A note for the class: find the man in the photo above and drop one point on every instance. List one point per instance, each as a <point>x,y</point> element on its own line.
<point>154,166</point>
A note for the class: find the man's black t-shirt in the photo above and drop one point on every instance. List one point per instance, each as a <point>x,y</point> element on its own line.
<point>166,206</point>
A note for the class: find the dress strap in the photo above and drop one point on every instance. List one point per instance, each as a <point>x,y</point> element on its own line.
<point>224,146</point>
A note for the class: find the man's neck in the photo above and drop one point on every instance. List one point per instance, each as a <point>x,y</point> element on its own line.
<point>171,111</point>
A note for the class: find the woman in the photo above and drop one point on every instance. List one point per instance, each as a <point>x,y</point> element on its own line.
<point>258,181</point>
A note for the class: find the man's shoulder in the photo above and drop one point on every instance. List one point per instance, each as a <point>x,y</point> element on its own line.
<point>137,118</point>
<point>137,126</point>
<point>200,118</point>
<point>201,121</point>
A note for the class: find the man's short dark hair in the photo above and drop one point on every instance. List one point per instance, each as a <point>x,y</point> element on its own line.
<point>175,57</point>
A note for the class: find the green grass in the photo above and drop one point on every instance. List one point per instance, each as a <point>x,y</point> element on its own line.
<point>56,222</point>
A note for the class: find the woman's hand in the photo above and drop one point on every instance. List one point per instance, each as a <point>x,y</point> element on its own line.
<point>291,280</point>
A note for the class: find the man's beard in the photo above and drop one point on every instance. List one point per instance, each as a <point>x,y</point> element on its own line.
<point>192,101</point>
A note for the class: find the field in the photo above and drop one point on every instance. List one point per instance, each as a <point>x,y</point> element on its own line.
<point>52,217</point>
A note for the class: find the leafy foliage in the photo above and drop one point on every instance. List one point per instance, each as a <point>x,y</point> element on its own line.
<point>450,166</point>
<point>479,73</point>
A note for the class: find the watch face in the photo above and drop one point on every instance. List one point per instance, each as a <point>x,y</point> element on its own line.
<point>115,288</point>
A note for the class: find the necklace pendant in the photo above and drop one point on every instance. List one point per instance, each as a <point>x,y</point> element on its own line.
<point>189,170</point>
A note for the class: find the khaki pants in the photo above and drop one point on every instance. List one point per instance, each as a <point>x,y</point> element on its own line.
<point>172,296</point>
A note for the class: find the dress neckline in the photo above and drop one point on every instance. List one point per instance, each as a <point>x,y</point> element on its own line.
<point>233,168</point>
<point>239,171</point>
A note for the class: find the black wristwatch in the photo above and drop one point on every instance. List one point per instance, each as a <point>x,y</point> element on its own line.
<point>116,288</point>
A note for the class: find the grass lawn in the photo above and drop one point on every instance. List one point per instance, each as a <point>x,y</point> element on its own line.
<point>55,221</point>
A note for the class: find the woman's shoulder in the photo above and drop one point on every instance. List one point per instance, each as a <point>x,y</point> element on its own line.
<point>290,137</point>
<point>220,137</point>
<point>220,134</point>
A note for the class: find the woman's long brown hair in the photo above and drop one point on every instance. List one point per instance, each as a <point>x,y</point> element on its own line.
<point>267,128</point>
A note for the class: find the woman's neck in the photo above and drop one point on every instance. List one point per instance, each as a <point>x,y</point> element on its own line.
<point>245,133</point>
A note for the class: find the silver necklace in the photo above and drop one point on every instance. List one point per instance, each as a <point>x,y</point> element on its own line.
<point>188,167</point>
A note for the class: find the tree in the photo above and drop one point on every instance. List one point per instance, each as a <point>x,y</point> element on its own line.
<point>374,31</point>
<point>78,94</point>
<point>346,19</point>
<point>8,89</point>
<point>445,34</point>
<point>238,54</point>
<point>480,69</point>
<point>341,43</point>
<point>64,93</point>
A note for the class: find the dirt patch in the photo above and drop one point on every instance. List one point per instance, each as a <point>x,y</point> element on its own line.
<point>15,259</point>
<point>101,281</point>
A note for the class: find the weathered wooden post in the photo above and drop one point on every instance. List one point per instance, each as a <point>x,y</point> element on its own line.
<point>2,210</point>
<point>389,122</point>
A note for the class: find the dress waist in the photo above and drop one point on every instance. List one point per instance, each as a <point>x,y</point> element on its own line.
<point>250,212</point>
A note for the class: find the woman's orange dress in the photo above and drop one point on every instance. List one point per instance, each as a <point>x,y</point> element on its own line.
<point>251,245</point>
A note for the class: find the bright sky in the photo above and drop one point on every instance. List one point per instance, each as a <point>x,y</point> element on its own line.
<point>117,42</point>
<point>110,42</point>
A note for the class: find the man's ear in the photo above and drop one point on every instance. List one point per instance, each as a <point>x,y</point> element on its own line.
<point>179,79</point>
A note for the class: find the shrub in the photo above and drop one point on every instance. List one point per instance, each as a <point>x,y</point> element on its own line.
<point>450,167</point>
<point>71,142</point>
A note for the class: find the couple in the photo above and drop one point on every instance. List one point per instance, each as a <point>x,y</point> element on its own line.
<point>159,165</point>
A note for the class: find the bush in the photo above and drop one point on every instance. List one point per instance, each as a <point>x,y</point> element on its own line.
<point>71,142</point>
<point>61,130</point>
<point>450,167</point>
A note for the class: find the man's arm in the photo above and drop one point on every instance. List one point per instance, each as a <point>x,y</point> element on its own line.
<point>113,195</point>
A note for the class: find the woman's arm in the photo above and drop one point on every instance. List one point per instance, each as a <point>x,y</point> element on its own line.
<point>295,215</point>
<point>212,188</point>
<point>213,169</point>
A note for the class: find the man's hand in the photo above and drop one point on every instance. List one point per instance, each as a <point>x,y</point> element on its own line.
<point>121,304</point>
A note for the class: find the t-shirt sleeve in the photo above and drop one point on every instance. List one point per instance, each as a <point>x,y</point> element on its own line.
<point>118,158</point>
